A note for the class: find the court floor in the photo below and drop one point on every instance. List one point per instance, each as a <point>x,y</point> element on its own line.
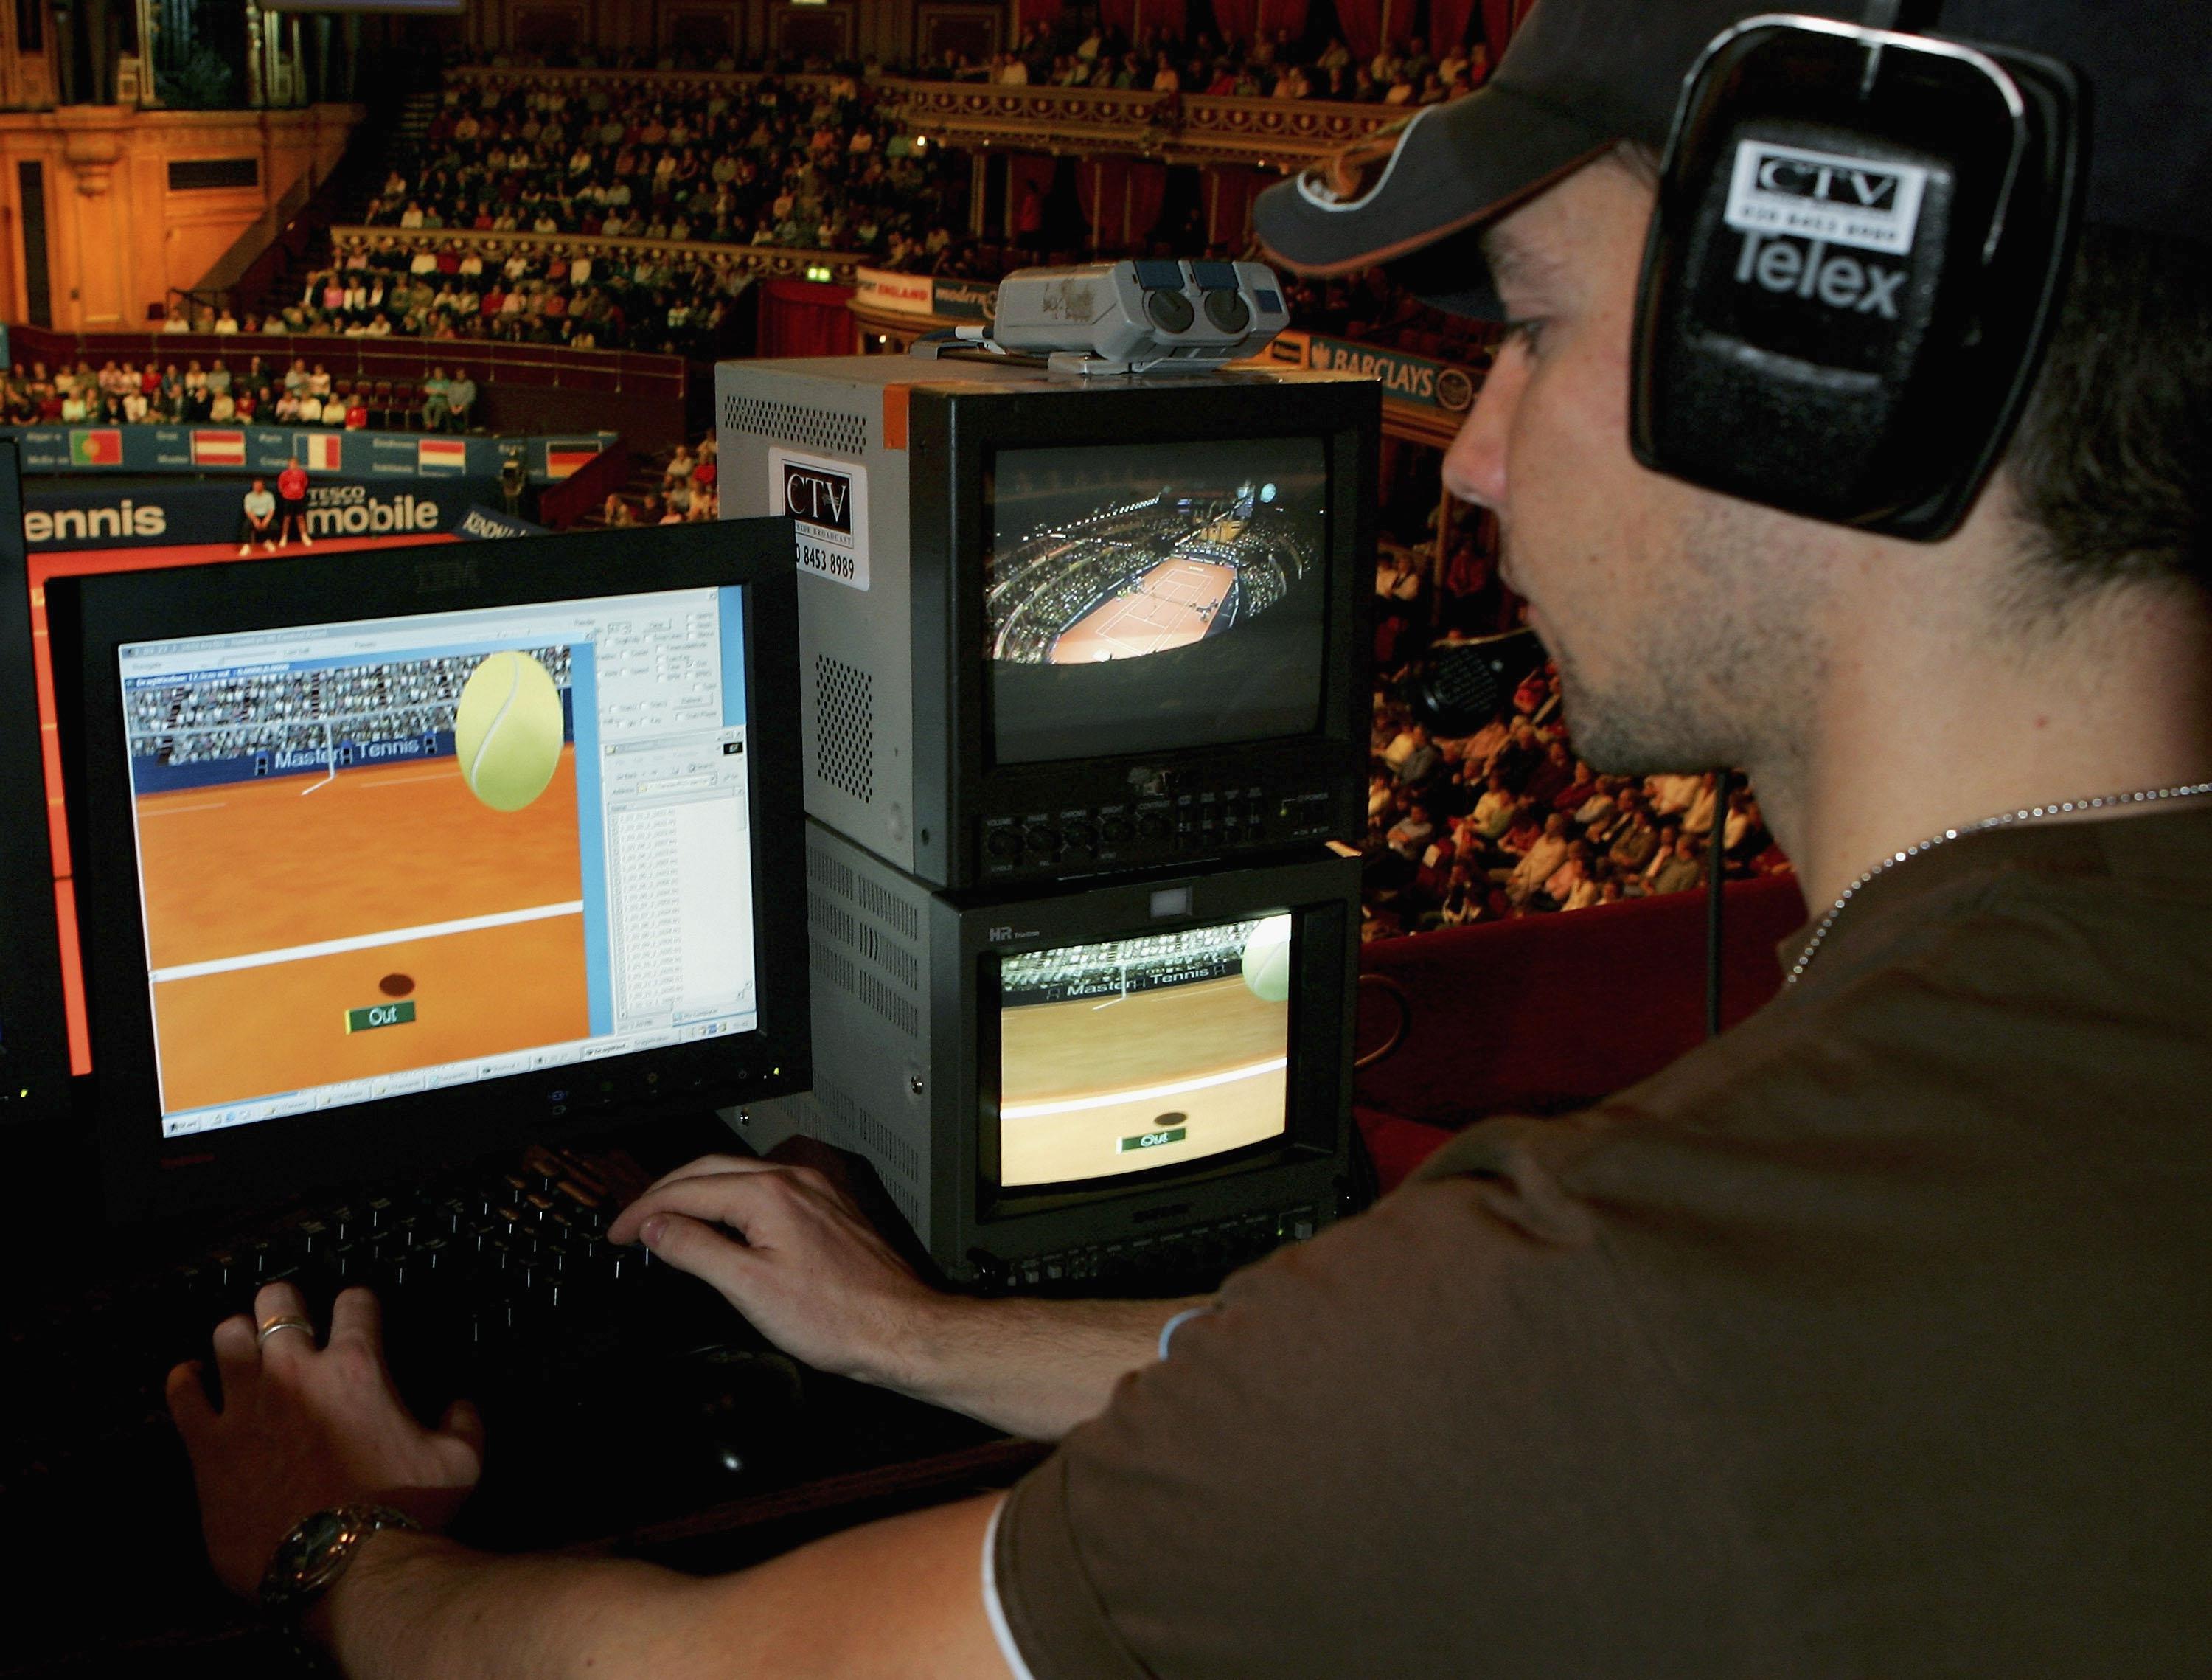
<point>1173,605</point>
<point>275,906</point>
<point>1081,1078</point>
<point>237,1033</point>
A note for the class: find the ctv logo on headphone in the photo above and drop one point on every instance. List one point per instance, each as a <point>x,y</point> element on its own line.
<point>1838,200</point>
<point>1793,206</point>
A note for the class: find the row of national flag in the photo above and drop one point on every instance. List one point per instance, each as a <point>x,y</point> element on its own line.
<point>318,452</point>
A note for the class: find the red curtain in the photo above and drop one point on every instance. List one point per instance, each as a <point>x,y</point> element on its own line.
<point>1041,11</point>
<point>1120,199</point>
<point>1448,23</point>
<point>1096,180</point>
<point>1023,171</point>
<point>1141,17</point>
<point>1289,14</point>
<point>1236,18</point>
<point>805,318</point>
<point>1146,189</point>
<point>1499,20</point>
<point>1362,22</point>
<point>1229,189</point>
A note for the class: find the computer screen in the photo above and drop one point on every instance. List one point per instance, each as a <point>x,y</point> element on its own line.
<point>378,856</point>
<point>1155,596</point>
<point>43,569</point>
<point>1152,1051</point>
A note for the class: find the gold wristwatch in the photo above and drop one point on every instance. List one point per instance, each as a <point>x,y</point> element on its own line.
<point>309,1559</point>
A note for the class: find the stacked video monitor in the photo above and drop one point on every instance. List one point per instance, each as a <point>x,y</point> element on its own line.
<point>1084,700</point>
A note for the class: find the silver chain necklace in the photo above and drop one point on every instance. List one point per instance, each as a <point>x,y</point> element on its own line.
<point>2003,819</point>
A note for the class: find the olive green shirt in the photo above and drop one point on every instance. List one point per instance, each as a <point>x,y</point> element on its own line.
<point>1873,1339</point>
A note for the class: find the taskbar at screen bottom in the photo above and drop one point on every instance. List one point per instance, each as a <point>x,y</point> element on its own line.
<point>414,1080</point>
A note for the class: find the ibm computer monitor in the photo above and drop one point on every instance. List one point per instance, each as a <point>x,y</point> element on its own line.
<point>52,1038</point>
<point>1072,1085</point>
<point>1052,627</point>
<point>387,859</point>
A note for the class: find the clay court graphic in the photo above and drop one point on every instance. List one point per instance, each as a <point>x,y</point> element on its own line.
<point>1174,603</point>
<point>1121,572</point>
<point>330,890</point>
<point>1139,1053</point>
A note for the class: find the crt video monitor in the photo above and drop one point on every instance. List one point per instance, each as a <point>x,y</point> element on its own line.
<point>1052,628</point>
<point>1133,1077</point>
<point>500,846</point>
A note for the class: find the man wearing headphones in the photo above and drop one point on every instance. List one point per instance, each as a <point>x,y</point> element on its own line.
<point>1866,1339</point>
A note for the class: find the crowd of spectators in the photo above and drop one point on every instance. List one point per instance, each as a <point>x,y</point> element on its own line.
<point>537,292</point>
<point>685,170</point>
<point>711,163</point>
<point>257,392</point>
<point>689,492</point>
<point>1369,306</point>
<point>1078,52</point>
<point>309,712</point>
<point>820,167</point>
<point>1507,822</point>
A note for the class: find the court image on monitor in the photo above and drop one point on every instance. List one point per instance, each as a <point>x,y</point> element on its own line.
<point>1200,565</point>
<point>380,857</point>
<point>1153,1052</point>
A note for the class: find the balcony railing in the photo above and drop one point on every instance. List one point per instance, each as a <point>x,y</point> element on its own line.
<point>1178,128</point>
<point>763,261</point>
<point>1087,120</point>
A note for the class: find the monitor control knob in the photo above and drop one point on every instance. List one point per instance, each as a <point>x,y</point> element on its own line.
<point>1228,312</point>
<point>1118,831</point>
<point>1170,312</point>
<point>1043,839</point>
<point>1081,836</point>
<point>1152,826</point>
<point>1003,843</point>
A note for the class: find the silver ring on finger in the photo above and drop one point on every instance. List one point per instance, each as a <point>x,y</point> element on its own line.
<point>283,1321</point>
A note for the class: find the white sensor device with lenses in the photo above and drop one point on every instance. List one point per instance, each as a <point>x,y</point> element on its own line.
<point>1130,317</point>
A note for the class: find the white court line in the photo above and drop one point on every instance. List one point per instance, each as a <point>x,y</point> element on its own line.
<point>403,780</point>
<point>1149,1093</point>
<point>332,947</point>
<point>174,810</point>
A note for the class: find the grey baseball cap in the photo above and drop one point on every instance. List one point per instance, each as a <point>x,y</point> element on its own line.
<point>1581,75</point>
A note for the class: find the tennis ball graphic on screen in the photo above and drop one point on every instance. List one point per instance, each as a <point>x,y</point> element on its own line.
<point>507,730</point>
<point>1268,960</point>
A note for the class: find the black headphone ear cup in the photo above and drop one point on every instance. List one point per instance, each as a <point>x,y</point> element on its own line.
<point>1858,245</point>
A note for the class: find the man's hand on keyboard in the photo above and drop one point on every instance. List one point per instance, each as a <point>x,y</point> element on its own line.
<point>795,1255</point>
<point>304,1427</point>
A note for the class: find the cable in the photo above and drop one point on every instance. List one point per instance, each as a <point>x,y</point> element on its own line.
<point>1716,883</point>
<point>1396,993</point>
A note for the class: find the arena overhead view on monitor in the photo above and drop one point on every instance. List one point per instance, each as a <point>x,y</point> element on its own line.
<point>1123,580</point>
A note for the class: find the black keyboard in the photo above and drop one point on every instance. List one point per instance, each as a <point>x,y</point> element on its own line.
<point>617,1394</point>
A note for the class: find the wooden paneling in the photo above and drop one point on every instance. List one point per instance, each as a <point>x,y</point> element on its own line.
<point>890,32</point>
<point>538,26</point>
<point>806,32</point>
<point>976,31</point>
<point>117,238</point>
<point>705,32</point>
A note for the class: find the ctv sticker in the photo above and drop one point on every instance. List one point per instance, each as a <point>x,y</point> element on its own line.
<point>1818,195</point>
<point>830,500</point>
